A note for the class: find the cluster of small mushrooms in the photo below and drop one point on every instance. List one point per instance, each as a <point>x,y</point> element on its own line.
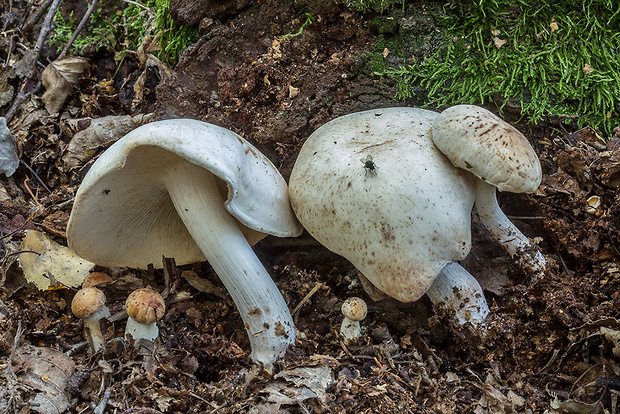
<point>144,308</point>
<point>194,191</point>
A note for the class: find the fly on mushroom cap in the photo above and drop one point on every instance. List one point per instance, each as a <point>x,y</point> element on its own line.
<point>145,306</point>
<point>193,191</point>
<point>401,228</point>
<point>479,141</point>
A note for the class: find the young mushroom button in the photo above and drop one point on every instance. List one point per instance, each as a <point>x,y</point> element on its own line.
<point>480,142</point>
<point>400,227</point>
<point>144,308</point>
<point>354,310</point>
<point>193,191</point>
<point>89,305</point>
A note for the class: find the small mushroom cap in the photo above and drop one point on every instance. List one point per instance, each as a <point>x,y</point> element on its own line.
<point>354,308</point>
<point>87,302</point>
<point>479,141</point>
<point>95,278</point>
<point>123,215</point>
<point>145,306</point>
<point>399,227</point>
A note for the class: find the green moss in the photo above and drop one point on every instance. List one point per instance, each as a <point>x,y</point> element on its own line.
<point>560,58</point>
<point>126,29</point>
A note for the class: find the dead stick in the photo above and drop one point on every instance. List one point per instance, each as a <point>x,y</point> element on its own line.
<point>77,31</point>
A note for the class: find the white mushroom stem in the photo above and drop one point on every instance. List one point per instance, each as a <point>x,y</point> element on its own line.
<point>456,289</point>
<point>505,232</point>
<point>266,316</point>
<point>93,329</point>
<point>137,330</point>
<point>350,330</point>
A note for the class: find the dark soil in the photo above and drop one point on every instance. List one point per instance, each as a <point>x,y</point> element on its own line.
<point>552,344</point>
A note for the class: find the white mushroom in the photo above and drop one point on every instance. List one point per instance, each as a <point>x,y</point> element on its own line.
<point>479,141</point>
<point>354,310</point>
<point>88,304</point>
<point>144,308</point>
<point>400,226</point>
<point>193,191</point>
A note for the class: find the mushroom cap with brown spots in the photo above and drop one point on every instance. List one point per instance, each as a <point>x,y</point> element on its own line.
<point>145,306</point>
<point>399,227</point>
<point>87,302</point>
<point>482,143</point>
<point>95,278</point>
<point>354,308</point>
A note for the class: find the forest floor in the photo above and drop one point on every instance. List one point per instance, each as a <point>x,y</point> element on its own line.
<point>553,344</point>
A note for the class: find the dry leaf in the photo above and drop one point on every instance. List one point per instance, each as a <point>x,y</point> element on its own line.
<point>49,265</point>
<point>498,42</point>
<point>292,91</point>
<point>553,25</point>
<point>385,52</point>
<point>101,133</point>
<point>47,371</point>
<point>202,285</point>
<point>8,153</point>
<point>58,79</point>
<point>587,68</point>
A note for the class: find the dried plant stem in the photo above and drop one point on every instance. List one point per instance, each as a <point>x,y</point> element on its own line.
<point>77,31</point>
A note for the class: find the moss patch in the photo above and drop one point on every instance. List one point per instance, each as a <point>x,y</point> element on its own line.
<point>550,59</point>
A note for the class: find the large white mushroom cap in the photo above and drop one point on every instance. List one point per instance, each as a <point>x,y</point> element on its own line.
<point>402,224</point>
<point>123,215</point>
<point>479,141</point>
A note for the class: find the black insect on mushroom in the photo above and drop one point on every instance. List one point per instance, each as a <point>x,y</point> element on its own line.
<point>369,166</point>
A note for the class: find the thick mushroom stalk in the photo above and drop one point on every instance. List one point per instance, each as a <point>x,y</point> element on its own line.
<point>457,290</point>
<point>193,191</point>
<point>262,308</point>
<point>482,143</point>
<point>518,246</point>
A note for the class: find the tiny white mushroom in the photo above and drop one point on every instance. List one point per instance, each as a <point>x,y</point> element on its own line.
<point>89,305</point>
<point>144,308</point>
<point>482,143</point>
<point>354,310</point>
<point>193,191</point>
<point>401,227</point>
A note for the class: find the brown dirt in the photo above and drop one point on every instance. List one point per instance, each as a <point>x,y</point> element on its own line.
<point>546,348</point>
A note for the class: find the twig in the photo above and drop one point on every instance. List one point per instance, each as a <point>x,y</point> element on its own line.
<point>22,162</point>
<point>77,31</point>
<point>99,409</point>
<point>37,16</point>
<point>45,29</point>
<point>32,195</point>
<point>307,297</point>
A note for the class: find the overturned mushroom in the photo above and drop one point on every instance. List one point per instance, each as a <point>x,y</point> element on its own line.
<point>402,226</point>
<point>193,191</point>
<point>480,142</point>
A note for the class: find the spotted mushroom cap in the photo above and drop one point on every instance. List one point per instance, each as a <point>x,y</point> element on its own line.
<point>87,302</point>
<point>479,141</point>
<point>95,278</point>
<point>399,226</point>
<point>354,308</point>
<point>145,306</point>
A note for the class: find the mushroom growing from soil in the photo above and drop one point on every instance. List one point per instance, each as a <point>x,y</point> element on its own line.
<point>144,308</point>
<point>354,310</point>
<point>88,304</point>
<point>95,279</point>
<point>193,191</point>
<point>480,142</point>
<point>401,227</point>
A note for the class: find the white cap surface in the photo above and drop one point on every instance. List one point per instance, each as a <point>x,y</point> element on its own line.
<point>479,141</point>
<point>400,225</point>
